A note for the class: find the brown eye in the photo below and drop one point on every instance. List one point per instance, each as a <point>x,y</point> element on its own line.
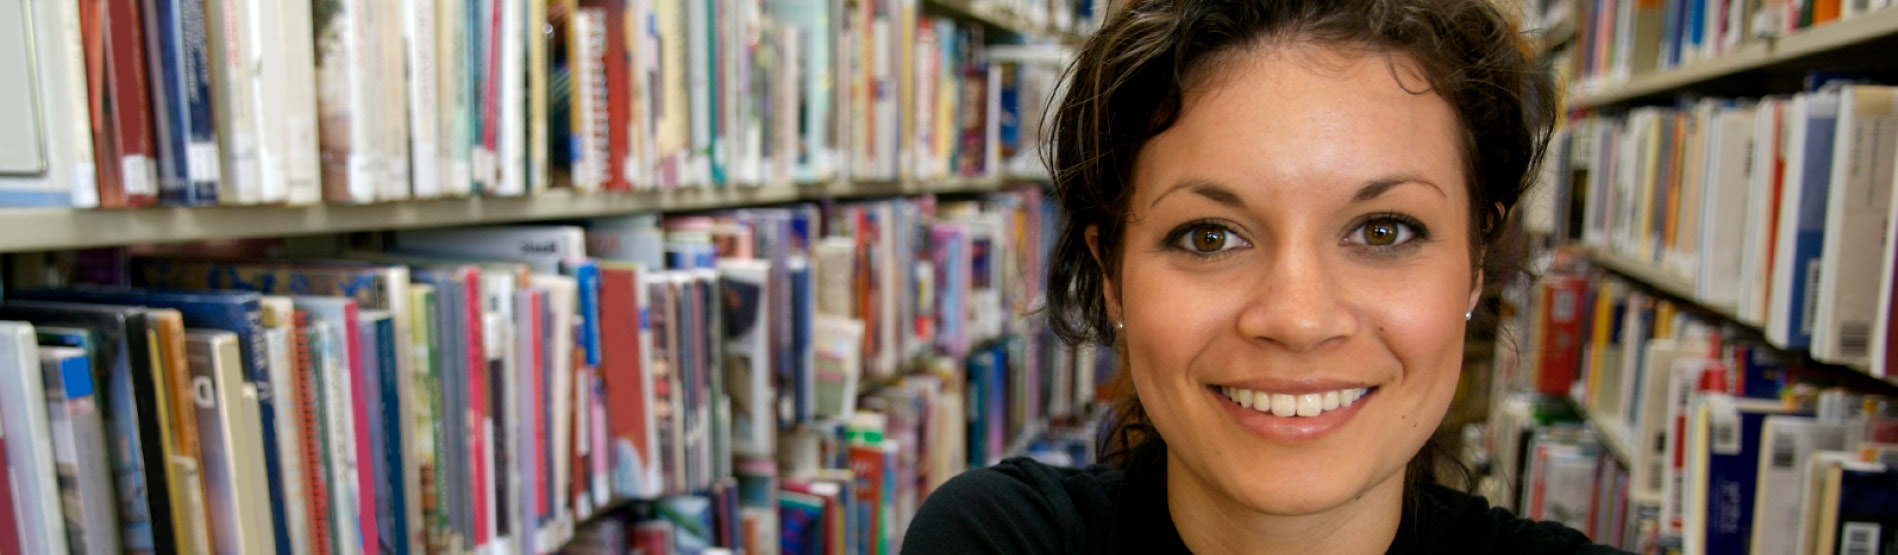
<point>1208,239</point>
<point>1383,233</point>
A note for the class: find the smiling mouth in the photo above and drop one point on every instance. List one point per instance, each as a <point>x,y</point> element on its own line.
<point>1302,405</point>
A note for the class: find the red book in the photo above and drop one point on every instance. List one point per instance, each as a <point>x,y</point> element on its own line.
<point>1560,343</point>
<point>539,474</point>
<point>618,94</point>
<point>629,419</point>
<point>115,92</point>
<point>9,522</point>
<point>303,406</point>
<point>866,466</point>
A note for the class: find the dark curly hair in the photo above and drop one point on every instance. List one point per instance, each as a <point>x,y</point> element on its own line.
<point>1128,82</point>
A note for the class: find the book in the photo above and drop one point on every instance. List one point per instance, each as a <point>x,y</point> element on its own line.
<point>120,357</point>
<point>184,467</point>
<point>1859,199</point>
<point>231,53</point>
<point>345,102</point>
<point>286,89</point>
<point>79,451</point>
<point>1813,119</point>
<point>380,388</point>
<point>240,523</point>
<point>744,289</point>
<point>122,132</point>
<point>189,168</point>
<point>29,459</point>
<point>1789,442</point>
<point>627,373</point>
<point>347,422</point>
<point>9,519</point>
<point>49,160</point>
<point>279,329</point>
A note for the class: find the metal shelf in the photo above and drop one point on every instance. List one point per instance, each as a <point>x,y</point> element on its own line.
<point>47,229</point>
<point>1786,50</point>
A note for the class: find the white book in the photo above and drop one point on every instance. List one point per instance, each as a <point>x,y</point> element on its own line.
<point>391,67</point>
<point>511,148</point>
<point>29,455</point>
<point>286,103</point>
<point>235,493</point>
<point>698,74</point>
<point>587,29</point>
<point>234,77</point>
<point>1762,184</point>
<point>1667,361</point>
<point>1725,208</point>
<point>46,156</point>
<point>1797,258</point>
<point>278,313</point>
<point>423,76</point>
<point>1789,442</point>
<point>1860,199</point>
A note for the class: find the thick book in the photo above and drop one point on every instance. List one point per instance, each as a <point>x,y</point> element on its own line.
<point>1859,201</point>
<point>230,438</point>
<point>1813,118</point>
<point>745,291</point>
<point>122,134</point>
<point>1723,466</point>
<point>629,382</point>
<point>345,102</point>
<point>29,456</point>
<point>48,154</point>
<point>1789,441</point>
<point>233,68</point>
<point>79,451</point>
<point>287,142</point>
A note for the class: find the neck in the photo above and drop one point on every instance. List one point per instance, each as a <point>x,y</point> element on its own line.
<point>1211,522</point>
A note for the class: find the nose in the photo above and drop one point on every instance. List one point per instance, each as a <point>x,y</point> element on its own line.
<point>1296,303</point>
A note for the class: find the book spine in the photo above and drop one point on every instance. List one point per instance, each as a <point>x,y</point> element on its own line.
<point>231,65</point>
<point>315,474</point>
<point>418,33</point>
<point>132,126</point>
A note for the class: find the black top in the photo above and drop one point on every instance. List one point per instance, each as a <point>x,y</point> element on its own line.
<point>1022,506</point>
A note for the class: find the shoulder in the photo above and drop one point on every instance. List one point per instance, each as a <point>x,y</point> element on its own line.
<point>1444,517</point>
<point>1018,506</point>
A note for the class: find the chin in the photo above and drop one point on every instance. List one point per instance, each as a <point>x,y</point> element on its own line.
<point>1305,485</point>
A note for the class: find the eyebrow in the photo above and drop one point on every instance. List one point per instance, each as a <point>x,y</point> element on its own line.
<point>1376,187</point>
<point>1212,191</point>
<point>1226,196</point>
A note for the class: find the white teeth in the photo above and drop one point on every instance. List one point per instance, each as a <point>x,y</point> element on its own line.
<point>1310,404</point>
<point>1304,404</point>
<point>1284,405</point>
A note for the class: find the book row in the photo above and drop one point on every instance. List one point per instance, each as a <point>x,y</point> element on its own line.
<point>1619,40</point>
<point>202,102</point>
<point>1775,209</point>
<point>1717,430</point>
<point>487,389</point>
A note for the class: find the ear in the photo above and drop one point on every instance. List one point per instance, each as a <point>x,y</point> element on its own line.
<point>1111,295</point>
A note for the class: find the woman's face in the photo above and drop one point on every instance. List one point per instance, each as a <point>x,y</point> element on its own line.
<point>1298,240</point>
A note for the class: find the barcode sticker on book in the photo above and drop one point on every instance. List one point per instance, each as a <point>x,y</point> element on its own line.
<point>1860,538</point>
<point>1855,339</point>
<point>1784,449</point>
<point>201,161</point>
<point>137,175</point>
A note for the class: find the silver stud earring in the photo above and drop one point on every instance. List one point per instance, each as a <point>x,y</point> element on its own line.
<point>1120,326</point>
<point>1467,315</point>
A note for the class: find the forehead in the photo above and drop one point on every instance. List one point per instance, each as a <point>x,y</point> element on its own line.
<point>1305,119</point>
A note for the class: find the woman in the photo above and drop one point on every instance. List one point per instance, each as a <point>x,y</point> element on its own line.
<point>1281,213</point>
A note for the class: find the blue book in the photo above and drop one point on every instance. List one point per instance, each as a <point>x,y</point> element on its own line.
<point>114,339</point>
<point>181,97</point>
<point>586,274</point>
<point>1867,511</point>
<point>1733,470</point>
<point>1822,118</point>
<point>377,333</point>
<point>234,311</point>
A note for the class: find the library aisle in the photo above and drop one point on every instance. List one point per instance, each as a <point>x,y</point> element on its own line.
<point>1704,362</point>
<point>522,276</point>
